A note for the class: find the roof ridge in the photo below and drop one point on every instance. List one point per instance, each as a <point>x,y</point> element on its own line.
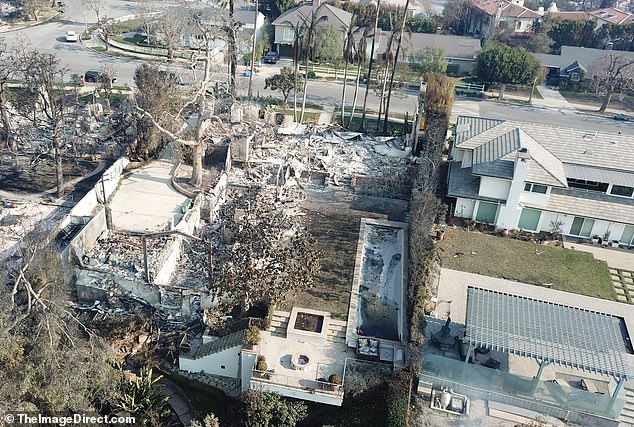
<point>565,183</point>
<point>220,344</point>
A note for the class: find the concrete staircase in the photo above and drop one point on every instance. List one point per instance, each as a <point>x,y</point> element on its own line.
<point>337,331</point>
<point>627,414</point>
<point>279,323</point>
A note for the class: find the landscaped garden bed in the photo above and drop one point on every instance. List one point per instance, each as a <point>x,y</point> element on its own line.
<point>529,262</point>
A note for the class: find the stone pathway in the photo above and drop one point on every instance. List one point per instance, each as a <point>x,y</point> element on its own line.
<point>623,284</point>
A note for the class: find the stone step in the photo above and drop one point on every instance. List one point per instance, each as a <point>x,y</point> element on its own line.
<point>337,340</point>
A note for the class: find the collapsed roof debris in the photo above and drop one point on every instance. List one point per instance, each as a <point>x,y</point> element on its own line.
<point>299,150</point>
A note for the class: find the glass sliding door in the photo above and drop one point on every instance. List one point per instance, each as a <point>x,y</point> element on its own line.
<point>581,227</point>
<point>486,212</point>
<point>529,219</point>
<point>627,238</point>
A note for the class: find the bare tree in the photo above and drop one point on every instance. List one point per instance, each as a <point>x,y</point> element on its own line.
<point>45,103</point>
<point>7,71</point>
<point>198,103</point>
<point>348,57</point>
<point>171,24</point>
<point>611,73</point>
<point>147,16</point>
<point>96,6</point>
<point>29,8</point>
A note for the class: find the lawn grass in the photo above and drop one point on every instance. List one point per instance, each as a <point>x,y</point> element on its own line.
<point>205,399</point>
<point>308,116</point>
<point>567,269</point>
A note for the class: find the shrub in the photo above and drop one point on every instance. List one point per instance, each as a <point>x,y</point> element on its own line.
<point>334,379</point>
<point>252,336</point>
<point>312,75</point>
<point>261,364</point>
<point>397,397</point>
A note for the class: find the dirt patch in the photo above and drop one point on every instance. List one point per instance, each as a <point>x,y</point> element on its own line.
<point>309,322</point>
<point>40,177</point>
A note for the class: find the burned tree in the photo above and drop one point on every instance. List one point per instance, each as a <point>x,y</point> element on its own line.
<point>7,71</point>
<point>266,255</point>
<point>612,73</point>
<point>46,107</point>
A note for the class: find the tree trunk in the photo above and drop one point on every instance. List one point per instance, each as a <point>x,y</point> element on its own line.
<point>6,124</point>
<point>398,50</point>
<point>354,99</point>
<point>343,94</point>
<point>301,117</point>
<point>170,51</point>
<point>232,51</point>
<point>384,85</point>
<point>59,172</point>
<point>296,71</point>
<point>197,165</point>
<point>502,90</point>
<point>253,46</point>
<point>367,85</point>
<point>606,100</point>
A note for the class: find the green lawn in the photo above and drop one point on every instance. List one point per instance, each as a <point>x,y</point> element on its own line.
<point>567,269</point>
<point>205,399</point>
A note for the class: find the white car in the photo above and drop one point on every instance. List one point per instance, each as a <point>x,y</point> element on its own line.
<point>71,36</point>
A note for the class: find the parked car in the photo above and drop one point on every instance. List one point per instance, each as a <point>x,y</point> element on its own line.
<point>93,76</point>
<point>71,36</point>
<point>271,58</point>
<point>60,4</point>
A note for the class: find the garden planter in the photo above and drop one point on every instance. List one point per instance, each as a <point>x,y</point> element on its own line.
<point>615,243</point>
<point>504,232</point>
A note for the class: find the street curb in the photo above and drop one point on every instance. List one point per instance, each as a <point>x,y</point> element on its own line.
<point>2,30</point>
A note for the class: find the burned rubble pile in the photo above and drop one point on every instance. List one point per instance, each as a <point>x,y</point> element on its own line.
<point>299,151</point>
<point>122,254</point>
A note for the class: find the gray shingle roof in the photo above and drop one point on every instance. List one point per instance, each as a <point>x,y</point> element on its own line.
<point>216,346</point>
<point>456,47</point>
<point>487,158</point>
<point>332,15</point>
<point>585,56</point>
<point>599,174</point>
<point>588,204</point>
<point>467,127</point>
<point>463,183</point>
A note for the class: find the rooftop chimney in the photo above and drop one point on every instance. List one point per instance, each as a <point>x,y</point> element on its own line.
<point>523,154</point>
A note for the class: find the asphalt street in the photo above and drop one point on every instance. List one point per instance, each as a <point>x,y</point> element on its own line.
<point>78,58</point>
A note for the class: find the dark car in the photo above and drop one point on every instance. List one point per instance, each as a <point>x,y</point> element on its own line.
<point>271,58</point>
<point>60,4</point>
<point>96,77</point>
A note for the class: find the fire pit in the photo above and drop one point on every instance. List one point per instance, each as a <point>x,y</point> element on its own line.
<point>300,361</point>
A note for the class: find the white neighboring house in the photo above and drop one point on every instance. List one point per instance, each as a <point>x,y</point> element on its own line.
<point>525,175</point>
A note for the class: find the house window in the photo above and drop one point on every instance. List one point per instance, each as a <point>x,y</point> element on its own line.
<point>588,185</point>
<point>627,238</point>
<point>288,34</point>
<point>222,366</point>
<point>529,219</point>
<point>621,190</point>
<point>486,212</point>
<point>518,25</point>
<point>535,188</point>
<point>575,77</point>
<point>581,227</point>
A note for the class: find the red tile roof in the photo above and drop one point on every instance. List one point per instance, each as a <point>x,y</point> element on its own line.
<point>509,9</point>
<point>569,16</point>
<point>613,16</point>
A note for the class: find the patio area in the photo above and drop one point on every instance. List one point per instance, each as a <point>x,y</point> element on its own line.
<point>301,369</point>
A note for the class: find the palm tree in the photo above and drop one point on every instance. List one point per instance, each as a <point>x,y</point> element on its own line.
<point>310,34</point>
<point>371,62</point>
<point>388,61</point>
<point>398,50</point>
<point>361,58</point>
<point>348,56</point>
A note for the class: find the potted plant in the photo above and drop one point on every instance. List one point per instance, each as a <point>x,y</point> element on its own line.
<point>595,239</point>
<point>261,366</point>
<point>606,238</point>
<point>615,243</point>
<point>504,232</point>
<point>335,382</point>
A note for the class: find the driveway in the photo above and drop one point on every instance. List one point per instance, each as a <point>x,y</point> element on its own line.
<point>552,99</point>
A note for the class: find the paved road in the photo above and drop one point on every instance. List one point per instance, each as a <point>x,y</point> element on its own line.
<point>78,58</point>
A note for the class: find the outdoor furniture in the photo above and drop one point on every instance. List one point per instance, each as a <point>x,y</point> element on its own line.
<point>492,363</point>
<point>300,362</point>
<point>368,349</point>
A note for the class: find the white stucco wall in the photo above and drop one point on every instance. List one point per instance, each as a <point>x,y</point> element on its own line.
<point>494,187</point>
<point>599,228</point>
<point>213,364</point>
<point>509,213</point>
<point>534,198</point>
<point>464,208</point>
